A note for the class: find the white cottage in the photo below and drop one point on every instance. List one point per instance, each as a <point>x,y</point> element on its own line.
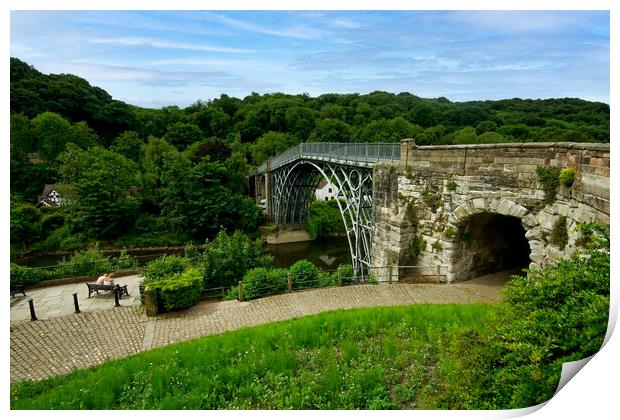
<point>50,196</point>
<point>326,191</point>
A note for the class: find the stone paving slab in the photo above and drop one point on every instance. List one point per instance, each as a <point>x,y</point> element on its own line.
<point>58,345</point>
<point>54,301</point>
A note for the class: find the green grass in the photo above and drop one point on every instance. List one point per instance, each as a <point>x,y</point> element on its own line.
<point>377,358</point>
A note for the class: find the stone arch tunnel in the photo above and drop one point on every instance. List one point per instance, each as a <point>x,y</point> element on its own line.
<point>489,242</point>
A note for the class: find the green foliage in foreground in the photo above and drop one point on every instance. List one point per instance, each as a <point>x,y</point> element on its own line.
<point>374,358</point>
<point>555,315</point>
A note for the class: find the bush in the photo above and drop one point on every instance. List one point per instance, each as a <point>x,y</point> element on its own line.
<point>554,315</point>
<point>125,261</point>
<point>264,281</point>
<point>84,263</point>
<point>346,273</point>
<point>26,275</point>
<point>232,294</point>
<point>304,274</point>
<point>192,255</point>
<point>164,268</point>
<point>228,257</point>
<point>328,279</point>
<point>181,290</point>
<point>567,177</point>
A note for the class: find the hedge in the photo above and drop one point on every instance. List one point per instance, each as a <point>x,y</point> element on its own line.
<point>181,290</point>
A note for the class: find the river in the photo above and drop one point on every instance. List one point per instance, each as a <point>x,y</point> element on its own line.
<point>326,254</point>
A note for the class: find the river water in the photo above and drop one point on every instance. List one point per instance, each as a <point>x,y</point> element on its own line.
<point>326,254</point>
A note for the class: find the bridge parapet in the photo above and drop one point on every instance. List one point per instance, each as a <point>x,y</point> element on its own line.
<point>355,154</point>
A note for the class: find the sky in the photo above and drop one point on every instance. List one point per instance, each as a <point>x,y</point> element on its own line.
<point>160,58</point>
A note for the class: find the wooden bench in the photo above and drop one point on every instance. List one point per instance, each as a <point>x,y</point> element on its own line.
<point>94,287</point>
<point>18,288</point>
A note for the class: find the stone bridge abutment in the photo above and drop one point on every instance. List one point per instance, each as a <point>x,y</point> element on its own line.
<point>474,209</point>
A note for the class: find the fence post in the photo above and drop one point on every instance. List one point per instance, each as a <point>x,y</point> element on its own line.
<point>339,277</point>
<point>240,291</point>
<point>76,304</point>
<point>116,293</point>
<point>290,282</point>
<point>390,274</point>
<point>438,273</point>
<point>33,316</point>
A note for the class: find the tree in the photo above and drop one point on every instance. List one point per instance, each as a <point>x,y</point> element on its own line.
<point>465,135</point>
<point>130,145</point>
<point>270,144</point>
<point>182,135</point>
<point>330,130</point>
<point>25,224</point>
<point>229,257</point>
<point>387,131</point>
<point>23,139</point>
<point>216,149</point>
<point>99,184</point>
<point>82,135</point>
<point>52,133</point>
<point>155,153</point>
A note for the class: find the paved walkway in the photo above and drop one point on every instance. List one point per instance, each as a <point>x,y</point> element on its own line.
<point>55,301</point>
<point>59,344</point>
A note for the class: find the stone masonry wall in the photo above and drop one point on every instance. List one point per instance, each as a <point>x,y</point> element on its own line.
<point>436,190</point>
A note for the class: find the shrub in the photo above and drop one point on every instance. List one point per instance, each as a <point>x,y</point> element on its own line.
<point>52,221</point>
<point>181,290</point>
<point>26,275</point>
<point>451,186</point>
<point>327,279</point>
<point>192,255</point>
<point>89,262</point>
<point>567,177</point>
<point>554,315</point>
<point>232,294</point>
<point>304,274</point>
<point>559,233</point>
<point>124,260</point>
<point>346,273</point>
<point>549,178</point>
<point>163,268</point>
<point>264,281</point>
<point>228,257</point>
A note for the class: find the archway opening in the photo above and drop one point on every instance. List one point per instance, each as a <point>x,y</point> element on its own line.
<point>489,243</point>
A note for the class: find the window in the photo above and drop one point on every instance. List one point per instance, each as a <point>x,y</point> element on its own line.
<point>326,198</point>
<point>330,190</point>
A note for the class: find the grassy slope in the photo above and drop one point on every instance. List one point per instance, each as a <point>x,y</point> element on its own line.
<point>365,358</point>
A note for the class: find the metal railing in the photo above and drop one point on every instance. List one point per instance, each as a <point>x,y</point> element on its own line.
<point>359,154</point>
<point>290,282</point>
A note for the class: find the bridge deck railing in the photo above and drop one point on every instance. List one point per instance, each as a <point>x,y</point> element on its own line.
<point>363,154</point>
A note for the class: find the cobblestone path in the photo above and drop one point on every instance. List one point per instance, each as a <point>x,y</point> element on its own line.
<point>59,345</point>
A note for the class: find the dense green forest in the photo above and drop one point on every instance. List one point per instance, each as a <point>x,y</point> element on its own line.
<point>135,176</point>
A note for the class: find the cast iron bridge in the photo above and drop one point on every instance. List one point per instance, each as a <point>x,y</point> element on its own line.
<point>288,181</point>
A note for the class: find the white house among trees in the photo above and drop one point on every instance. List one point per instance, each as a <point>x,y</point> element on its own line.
<point>325,191</point>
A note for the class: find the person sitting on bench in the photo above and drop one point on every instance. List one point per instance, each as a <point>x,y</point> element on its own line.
<point>102,278</point>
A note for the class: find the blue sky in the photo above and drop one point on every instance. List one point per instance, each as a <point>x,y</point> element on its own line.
<point>158,58</point>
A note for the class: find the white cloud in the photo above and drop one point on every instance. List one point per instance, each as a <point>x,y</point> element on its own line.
<point>155,43</point>
<point>297,31</point>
